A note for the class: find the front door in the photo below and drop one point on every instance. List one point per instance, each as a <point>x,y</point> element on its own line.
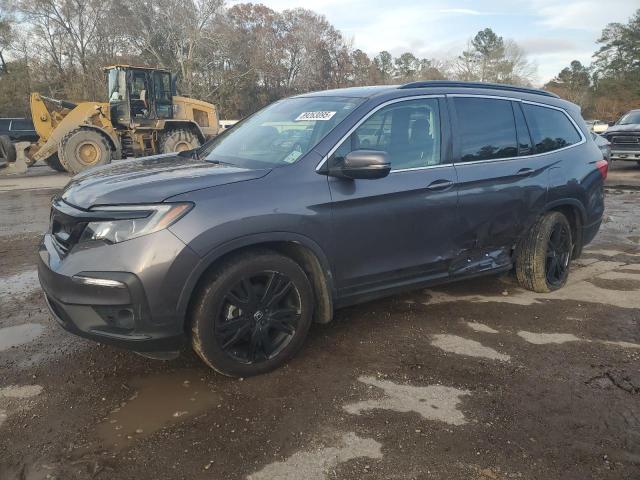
<point>399,229</point>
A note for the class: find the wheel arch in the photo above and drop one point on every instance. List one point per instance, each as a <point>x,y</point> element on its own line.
<point>299,248</point>
<point>576,214</point>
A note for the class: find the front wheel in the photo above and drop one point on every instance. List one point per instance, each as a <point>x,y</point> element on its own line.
<point>84,148</point>
<point>252,314</point>
<point>542,262</point>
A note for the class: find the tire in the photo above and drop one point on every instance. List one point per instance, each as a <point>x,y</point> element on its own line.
<point>54,162</point>
<point>178,140</point>
<point>543,257</point>
<point>232,309</point>
<point>83,148</point>
<point>7,149</point>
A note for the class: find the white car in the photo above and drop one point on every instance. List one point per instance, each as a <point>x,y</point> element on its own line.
<point>597,126</point>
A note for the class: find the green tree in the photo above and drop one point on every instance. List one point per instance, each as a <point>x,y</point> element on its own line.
<point>573,83</point>
<point>619,54</point>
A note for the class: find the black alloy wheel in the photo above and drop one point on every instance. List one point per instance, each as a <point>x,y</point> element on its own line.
<point>252,313</point>
<point>558,254</point>
<point>259,317</point>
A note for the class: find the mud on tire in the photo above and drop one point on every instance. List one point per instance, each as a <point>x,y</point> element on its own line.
<point>84,148</point>
<point>251,314</point>
<point>544,254</point>
<point>178,140</point>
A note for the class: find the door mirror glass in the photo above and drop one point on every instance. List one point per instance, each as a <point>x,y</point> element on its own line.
<point>363,164</point>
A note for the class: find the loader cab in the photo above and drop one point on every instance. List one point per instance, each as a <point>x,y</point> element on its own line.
<point>139,96</point>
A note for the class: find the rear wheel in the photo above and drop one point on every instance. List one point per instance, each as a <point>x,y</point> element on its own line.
<point>252,314</point>
<point>542,263</point>
<point>7,149</point>
<point>84,148</point>
<point>54,162</point>
<point>179,140</point>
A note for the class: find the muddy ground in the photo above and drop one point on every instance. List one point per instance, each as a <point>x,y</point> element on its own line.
<point>476,380</point>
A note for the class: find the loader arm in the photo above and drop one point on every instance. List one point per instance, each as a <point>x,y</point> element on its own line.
<point>53,119</point>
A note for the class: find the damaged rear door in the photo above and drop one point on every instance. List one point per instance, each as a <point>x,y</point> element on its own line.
<point>501,184</point>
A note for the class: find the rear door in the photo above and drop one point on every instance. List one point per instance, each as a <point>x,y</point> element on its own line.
<point>501,185</point>
<point>401,228</point>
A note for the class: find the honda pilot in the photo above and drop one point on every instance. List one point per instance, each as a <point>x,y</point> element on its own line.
<point>317,202</point>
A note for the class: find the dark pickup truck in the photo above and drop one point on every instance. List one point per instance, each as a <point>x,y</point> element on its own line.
<point>624,136</point>
<point>18,129</point>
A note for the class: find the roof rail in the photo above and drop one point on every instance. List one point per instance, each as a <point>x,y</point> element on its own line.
<point>492,86</point>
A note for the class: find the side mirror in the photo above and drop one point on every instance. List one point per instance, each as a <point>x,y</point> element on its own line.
<point>611,124</point>
<point>363,164</point>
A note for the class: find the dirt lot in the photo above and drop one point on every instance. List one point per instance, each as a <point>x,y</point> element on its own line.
<point>477,380</point>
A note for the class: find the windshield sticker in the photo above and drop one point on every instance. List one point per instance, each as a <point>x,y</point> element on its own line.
<point>292,157</point>
<point>314,116</point>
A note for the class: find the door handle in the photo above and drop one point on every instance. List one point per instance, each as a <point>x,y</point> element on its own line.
<point>524,172</point>
<point>440,184</point>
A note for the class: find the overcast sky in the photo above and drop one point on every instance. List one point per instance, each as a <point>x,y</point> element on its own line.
<point>552,32</point>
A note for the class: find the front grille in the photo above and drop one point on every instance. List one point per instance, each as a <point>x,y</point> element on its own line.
<point>65,228</point>
<point>625,140</point>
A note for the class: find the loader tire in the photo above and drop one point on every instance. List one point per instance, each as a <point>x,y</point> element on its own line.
<point>178,140</point>
<point>7,149</point>
<point>54,162</point>
<point>83,148</point>
<point>544,254</point>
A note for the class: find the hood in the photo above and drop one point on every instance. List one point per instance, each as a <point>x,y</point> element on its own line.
<point>631,127</point>
<point>150,180</point>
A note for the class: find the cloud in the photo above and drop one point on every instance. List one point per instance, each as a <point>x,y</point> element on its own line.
<point>541,45</point>
<point>461,11</point>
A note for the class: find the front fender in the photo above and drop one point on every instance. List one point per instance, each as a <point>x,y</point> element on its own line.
<point>249,241</point>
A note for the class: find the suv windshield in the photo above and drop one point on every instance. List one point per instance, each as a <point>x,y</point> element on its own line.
<point>281,133</point>
<point>630,118</point>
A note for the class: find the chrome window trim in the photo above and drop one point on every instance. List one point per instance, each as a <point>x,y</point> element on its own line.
<point>365,118</point>
<point>472,162</point>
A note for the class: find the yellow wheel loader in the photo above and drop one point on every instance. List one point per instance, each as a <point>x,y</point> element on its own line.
<point>142,117</point>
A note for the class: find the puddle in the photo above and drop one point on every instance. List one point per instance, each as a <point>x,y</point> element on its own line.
<point>20,284</point>
<point>155,402</point>
<point>481,327</point>
<point>578,288</point>
<point>22,392</point>
<point>622,344</point>
<point>19,335</point>
<point>465,346</point>
<point>547,338</point>
<point>433,402</point>
<point>318,464</point>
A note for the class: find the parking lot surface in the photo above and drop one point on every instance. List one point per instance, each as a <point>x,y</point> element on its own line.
<point>474,380</point>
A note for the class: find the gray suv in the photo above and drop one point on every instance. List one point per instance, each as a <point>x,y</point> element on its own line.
<point>316,202</point>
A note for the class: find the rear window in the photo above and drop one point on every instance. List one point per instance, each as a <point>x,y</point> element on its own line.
<point>550,129</point>
<point>486,128</point>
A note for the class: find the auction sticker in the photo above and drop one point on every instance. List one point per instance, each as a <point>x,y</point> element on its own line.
<point>314,116</point>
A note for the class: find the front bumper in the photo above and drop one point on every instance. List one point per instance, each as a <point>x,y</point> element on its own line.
<point>139,311</point>
<point>631,155</point>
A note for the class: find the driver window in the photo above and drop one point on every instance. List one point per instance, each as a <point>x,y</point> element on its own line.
<point>408,131</point>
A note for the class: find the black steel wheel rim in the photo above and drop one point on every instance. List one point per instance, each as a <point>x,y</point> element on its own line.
<point>558,254</point>
<point>259,317</point>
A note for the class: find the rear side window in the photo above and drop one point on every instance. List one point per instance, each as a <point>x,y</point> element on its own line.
<point>550,129</point>
<point>486,128</point>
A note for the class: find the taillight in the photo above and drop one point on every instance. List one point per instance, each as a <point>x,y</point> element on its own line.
<point>603,168</point>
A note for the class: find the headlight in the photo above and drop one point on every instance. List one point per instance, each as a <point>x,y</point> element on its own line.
<point>131,221</point>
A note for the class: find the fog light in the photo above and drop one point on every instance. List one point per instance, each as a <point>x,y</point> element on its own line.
<point>118,317</point>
